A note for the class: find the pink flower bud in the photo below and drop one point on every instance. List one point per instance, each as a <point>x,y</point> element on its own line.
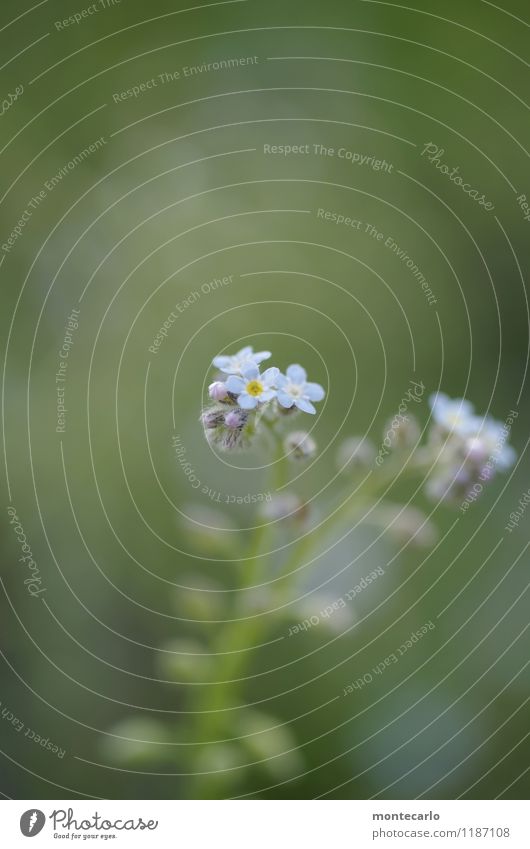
<point>217,391</point>
<point>211,419</point>
<point>234,419</point>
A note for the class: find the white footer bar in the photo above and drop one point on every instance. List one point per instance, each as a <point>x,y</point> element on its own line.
<point>266,824</point>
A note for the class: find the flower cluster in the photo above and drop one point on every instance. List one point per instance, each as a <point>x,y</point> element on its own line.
<point>469,448</point>
<point>460,450</point>
<point>463,451</point>
<point>243,393</point>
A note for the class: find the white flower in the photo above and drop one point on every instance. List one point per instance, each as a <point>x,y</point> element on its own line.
<point>454,416</point>
<point>253,388</point>
<point>293,388</point>
<point>243,358</point>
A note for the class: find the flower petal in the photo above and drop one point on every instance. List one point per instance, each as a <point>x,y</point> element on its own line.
<point>438,399</point>
<point>281,380</point>
<point>284,399</point>
<point>244,353</point>
<point>246,401</point>
<point>507,458</point>
<point>261,355</point>
<point>250,371</point>
<point>297,374</point>
<point>468,425</point>
<point>464,407</point>
<point>304,405</point>
<point>270,376</point>
<point>314,391</point>
<point>235,384</point>
<point>267,395</point>
<point>490,429</point>
<point>222,362</point>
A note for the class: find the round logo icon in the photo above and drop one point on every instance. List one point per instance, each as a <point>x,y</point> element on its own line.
<point>31,822</point>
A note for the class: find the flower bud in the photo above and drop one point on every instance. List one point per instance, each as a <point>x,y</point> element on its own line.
<point>449,484</point>
<point>324,611</point>
<point>225,430</point>
<point>408,525</point>
<point>355,454</point>
<point>286,505</point>
<point>208,530</point>
<point>184,660</point>
<point>287,411</point>
<point>403,431</point>
<point>217,391</point>
<point>270,741</point>
<point>300,445</point>
<point>233,439</point>
<point>235,418</point>
<point>141,745</point>
<point>259,600</point>
<point>221,763</point>
<point>198,597</point>
<point>212,418</point>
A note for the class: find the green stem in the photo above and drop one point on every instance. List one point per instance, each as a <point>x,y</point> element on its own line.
<point>214,717</point>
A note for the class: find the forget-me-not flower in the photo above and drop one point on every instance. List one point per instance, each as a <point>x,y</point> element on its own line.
<point>238,362</point>
<point>251,387</point>
<point>455,416</point>
<point>293,389</point>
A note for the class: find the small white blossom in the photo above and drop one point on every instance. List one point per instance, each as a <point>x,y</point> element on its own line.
<point>456,416</point>
<point>293,389</point>
<point>253,388</point>
<point>237,363</point>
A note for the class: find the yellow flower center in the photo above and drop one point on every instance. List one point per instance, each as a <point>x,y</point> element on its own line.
<point>254,388</point>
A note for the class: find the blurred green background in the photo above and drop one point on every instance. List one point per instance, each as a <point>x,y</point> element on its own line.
<point>181,193</point>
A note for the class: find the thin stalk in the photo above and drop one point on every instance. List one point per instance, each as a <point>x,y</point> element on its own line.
<point>217,704</point>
